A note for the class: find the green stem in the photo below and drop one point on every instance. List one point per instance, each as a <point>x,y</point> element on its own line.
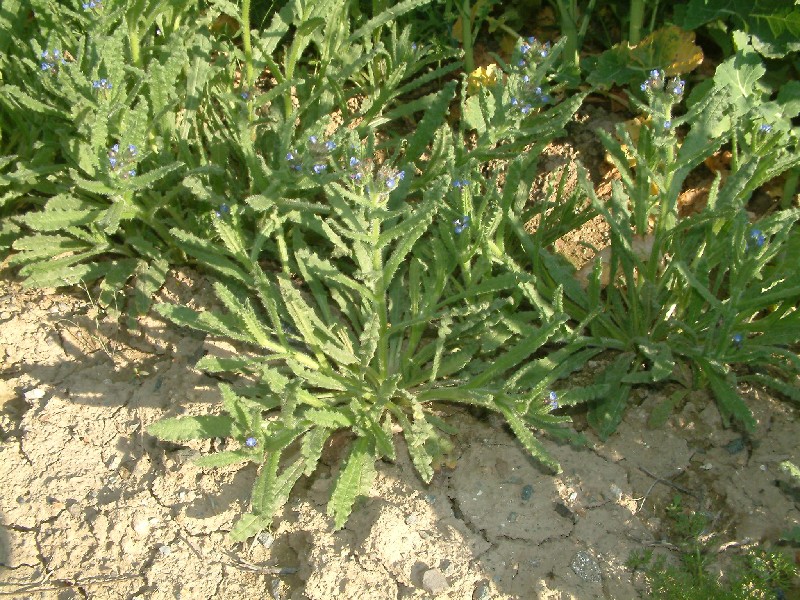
<point>248,49</point>
<point>637,18</point>
<point>466,36</point>
<point>135,45</point>
<point>379,290</point>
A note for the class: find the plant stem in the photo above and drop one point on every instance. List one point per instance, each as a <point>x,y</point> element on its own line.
<point>466,36</point>
<point>636,20</point>
<point>248,49</point>
<point>135,45</point>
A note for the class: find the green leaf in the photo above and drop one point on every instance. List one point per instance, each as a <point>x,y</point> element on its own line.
<point>430,122</point>
<point>224,458</point>
<point>729,402</point>
<point>528,440</point>
<point>354,479</point>
<point>192,428</point>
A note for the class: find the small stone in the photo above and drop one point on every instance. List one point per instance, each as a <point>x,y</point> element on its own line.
<point>434,582</point>
<point>266,539</point>
<point>527,493</point>
<point>165,550</point>
<point>34,394</point>
<point>411,519</point>
<point>482,590</point>
<point>586,567</point>
<point>5,315</point>
<point>141,527</point>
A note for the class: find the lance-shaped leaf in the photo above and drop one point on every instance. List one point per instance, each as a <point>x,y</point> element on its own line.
<point>354,479</point>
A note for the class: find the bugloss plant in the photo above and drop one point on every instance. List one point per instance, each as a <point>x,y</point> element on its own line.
<point>390,294</point>
<point>701,298</point>
<point>121,88</point>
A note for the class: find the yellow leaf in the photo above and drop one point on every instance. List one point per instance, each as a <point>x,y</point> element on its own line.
<point>669,48</point>
<point>481,77</point>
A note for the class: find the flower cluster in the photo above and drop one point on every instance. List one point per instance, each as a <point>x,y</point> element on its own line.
<point>102,84</point>
<point>51,59</point>
<point>461,224</point>
<point>390,177</point>
<point>92,5</point>
<point>318,153</point>
<point>531,94</point>
<point>460,184</point>
<point>532,47</point>
<point>121,160</point>
<point>658,82</point>
<point>552,400</point>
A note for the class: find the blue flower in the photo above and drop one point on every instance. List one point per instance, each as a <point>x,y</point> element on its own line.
<point>132,149</point>
<point>461,224</point>
<point>667,124</point>
<point>757,237</point>
<point>765,128</point>
<point>319,168</point>
<point>289,156</point>
<point>251,442</point>
<point>552,400</point>
<point>312,139</point>
<point>132,173</point>
<point>460,183</point>
<point>330,145</point>
<point>736,339</point>
<point>115,148</point>
<point>354,162</point>
<point>525,109</point>
<point>224,210</point>
<point>112,161</point>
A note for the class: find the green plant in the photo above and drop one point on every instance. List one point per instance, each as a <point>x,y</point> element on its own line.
<point>760,573</point>
<point>391,295</point>
<point>692,299</point>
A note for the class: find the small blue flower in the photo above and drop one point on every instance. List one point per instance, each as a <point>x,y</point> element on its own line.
<point>318,169</point>
<point>736,339</point>
<point>245,95</point>
<point>312,139</point>
<point>552,400</point>
<point>514,102</point>
<point>115,148</point>
<point>461,224</point>
<point>667,124</point>
<point>645,86</point>
<point>757,237</point>
<point>678,87</point>
<point>290,156</point>
<point>132,149</point>
<point>537,90</point>
<point>224,210</point>
<point>525,109</point>
<point>655,74</point>
<point>251,442</point>
<point>330,145</point>
<point>132,173</point>
<point>544,98</point>
<point>765,128</point>
<point>354,162</point>
<point>112,161</point>
<point>413,46</point>
<point>526,79</point>
<point>460,183</point>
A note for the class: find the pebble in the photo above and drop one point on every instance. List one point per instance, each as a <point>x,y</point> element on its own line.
<point>434,582</point>
<point>266,539</point>
<point>141,527</point>
<point>482,590</point>
<point>411,519</point>
<point>165,550</point>
<point>527,493</point>
<point>34,394</point>
<point>586,567</point>
<point>5,315</point>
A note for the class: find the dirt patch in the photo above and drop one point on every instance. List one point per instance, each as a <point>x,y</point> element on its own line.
<point>93,507</point>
